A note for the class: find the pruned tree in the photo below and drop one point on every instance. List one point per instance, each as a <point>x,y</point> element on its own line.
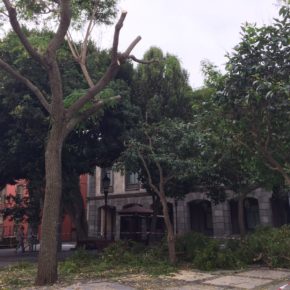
<point>62,118</point>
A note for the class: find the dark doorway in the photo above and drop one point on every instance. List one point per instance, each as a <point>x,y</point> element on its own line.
<point>134,223</point>
<point>280,211</point>
<point>251,214</point>
<point>200,213</point>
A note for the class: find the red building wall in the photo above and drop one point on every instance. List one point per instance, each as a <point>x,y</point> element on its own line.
<point>7,226</point>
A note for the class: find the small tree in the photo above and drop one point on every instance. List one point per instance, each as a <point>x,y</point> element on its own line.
<point>167,153</point>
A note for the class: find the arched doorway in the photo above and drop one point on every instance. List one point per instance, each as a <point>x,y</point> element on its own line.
<point>200,214</point>
<point>109,231</point>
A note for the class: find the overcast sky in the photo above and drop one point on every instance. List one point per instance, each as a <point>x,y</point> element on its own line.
<point>190,29</point>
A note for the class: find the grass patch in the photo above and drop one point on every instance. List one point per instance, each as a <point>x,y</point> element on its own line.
<point>118,259</point>
<point>17,276</point>
<point>266,246</point>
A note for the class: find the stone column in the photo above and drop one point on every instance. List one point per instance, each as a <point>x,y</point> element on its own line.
<point>265,209</point>
<point>118,227</point>
<point>182,217</point>
<point>218,220</point>
<point>92,218</point>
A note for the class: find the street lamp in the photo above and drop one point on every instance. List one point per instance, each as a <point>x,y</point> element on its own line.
<point>106,184</point>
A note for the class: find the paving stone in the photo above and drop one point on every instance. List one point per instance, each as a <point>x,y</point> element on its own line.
<point>267,274</point>
<point>190,276</point>
<point>238,281</point>
<point>196,287</point>
<point>86,286</point>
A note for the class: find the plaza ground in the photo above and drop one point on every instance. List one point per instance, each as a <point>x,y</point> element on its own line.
<point>251,278</point>
<point>262,279</point>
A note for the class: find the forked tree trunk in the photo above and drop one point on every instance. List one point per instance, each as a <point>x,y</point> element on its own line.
<point>241,216</point>
<point>47,261</point>
<point>169,227</point>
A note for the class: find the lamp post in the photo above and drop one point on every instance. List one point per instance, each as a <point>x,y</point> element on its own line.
<point>106,184</point>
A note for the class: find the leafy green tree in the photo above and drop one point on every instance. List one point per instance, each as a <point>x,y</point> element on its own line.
<point>159,148</point>
<point>24,133</point>
<point>164,153</point>
<point>256,92</point>
<point>63,118</point>
<point>228,164</point>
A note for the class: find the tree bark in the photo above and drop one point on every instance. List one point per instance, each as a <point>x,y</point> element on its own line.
<point>152,238</point>
<point>47,261</point>
<point>170,232</point>
<point>241,216</point>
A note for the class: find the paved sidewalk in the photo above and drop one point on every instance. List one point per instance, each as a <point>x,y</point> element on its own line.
<point>8,256</point>
<point>257,279</point>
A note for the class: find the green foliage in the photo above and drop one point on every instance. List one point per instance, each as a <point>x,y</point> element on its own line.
<point>255,97</point>
<point>172,144</point>
<point>161,89</point>
<point>47,12</point>
<point>118,258</point>
<point>207,254</point>
<point>270,246</point>
<point>212,257</point>
<point>266,246</point>
<point>135,256</point>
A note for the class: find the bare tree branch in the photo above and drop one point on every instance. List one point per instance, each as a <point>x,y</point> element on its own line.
<point>148,174</point>
<point>27,82</point>
<point>110,72</point>
<point>168,178</point>
<point>86,39</point>
<point>93,109</point>
<point>72,47</point>
<point>17,29</point>
<point>142,61</point>
<point>118,27</point>
<point>64,23</point>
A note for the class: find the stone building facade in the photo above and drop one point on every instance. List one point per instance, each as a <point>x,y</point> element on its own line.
<point>129,210</point>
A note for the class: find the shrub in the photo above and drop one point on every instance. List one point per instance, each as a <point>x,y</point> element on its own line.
<point>206,254</point>
<point>212,257</point>
<point>270,246</point>
<point>190,244</point>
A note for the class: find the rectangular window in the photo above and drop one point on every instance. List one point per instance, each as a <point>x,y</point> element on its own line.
<point>92,184</point>
<point>131,181</point>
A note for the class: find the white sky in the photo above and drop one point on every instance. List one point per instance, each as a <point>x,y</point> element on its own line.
<point>190,29</point>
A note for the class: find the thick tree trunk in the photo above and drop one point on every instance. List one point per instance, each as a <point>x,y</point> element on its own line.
<point>47,261</point>
<point>169,227</point>
<point>241,217</point>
